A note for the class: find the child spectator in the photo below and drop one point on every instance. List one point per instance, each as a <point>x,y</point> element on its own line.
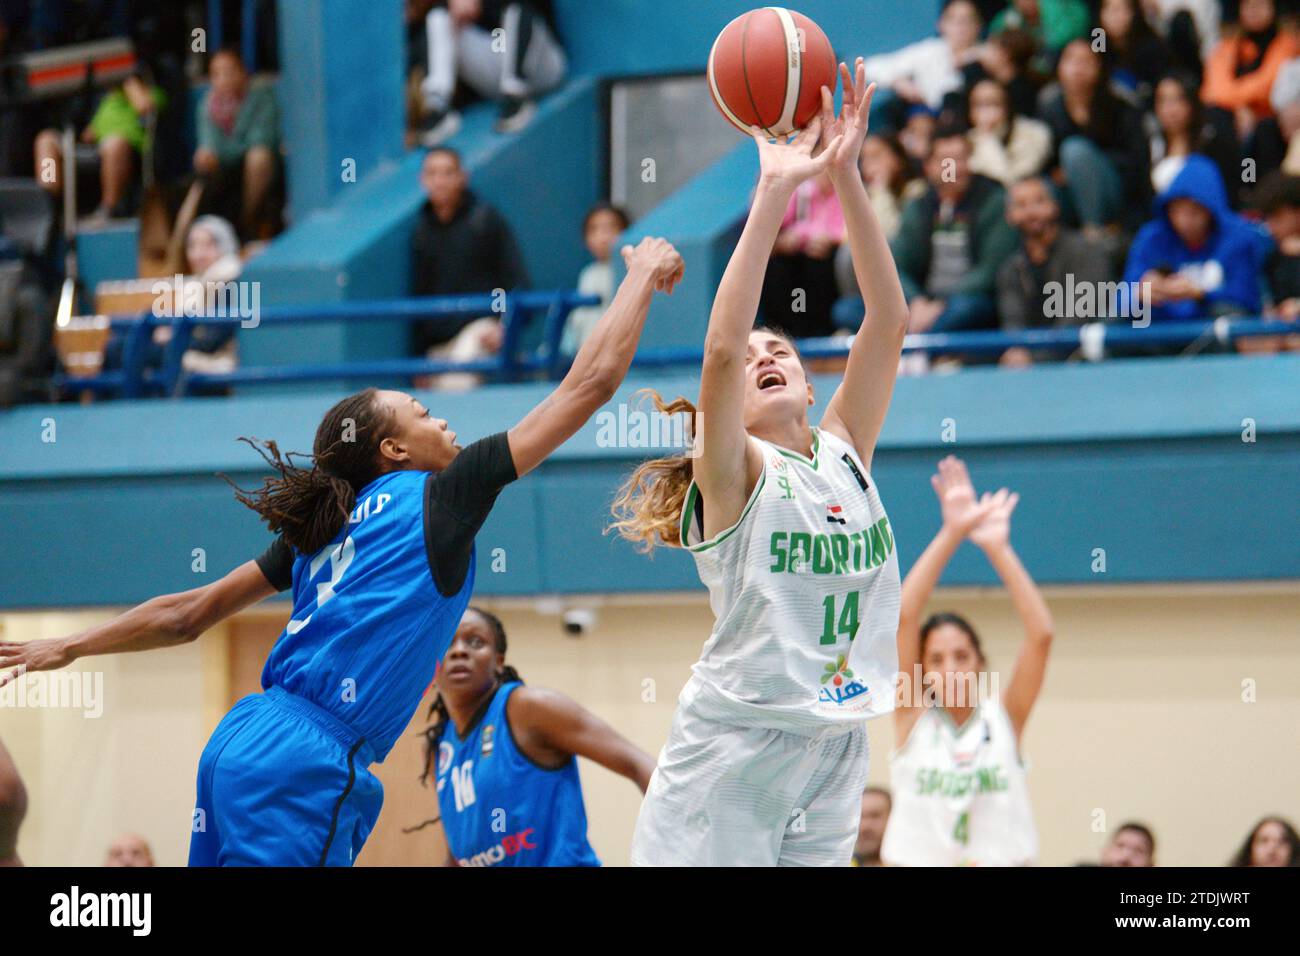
<point>1178,128</point>
<point>600,230</point>
<point>1048,254</point>
<point>1200,259</point>
<point>1239,77</point>
<point>116,140</point>
<point>239,147</point>
<point>952,241</point>
<point>1004,146</point>
<point>1101,147</point>
<point>799,287</point>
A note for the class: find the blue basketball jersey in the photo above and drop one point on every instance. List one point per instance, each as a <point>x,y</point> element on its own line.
<point>369,625</point>
<point>501,809</point>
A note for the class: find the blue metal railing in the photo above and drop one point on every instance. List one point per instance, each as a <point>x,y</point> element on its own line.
<point>517,310</point>
<point>1094,340</point>
<point>520,310</point>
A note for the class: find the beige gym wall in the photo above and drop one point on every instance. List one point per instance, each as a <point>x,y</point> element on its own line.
<point>1142,717</point>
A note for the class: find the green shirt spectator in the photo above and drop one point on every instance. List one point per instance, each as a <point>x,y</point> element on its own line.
<point>1052,23</point>
<point>116,116</point>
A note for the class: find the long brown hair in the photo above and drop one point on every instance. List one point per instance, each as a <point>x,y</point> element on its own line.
<point>308,506</point>
<point>648,508</point>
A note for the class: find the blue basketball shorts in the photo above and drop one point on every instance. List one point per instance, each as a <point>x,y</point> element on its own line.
<point>282,782</point>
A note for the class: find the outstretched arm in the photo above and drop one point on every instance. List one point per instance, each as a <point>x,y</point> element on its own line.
<point>856,412</point>
<point>961,512</point>
<point>602,363</point>
<point>728,465</point>
<point>993,535</point>
<point>161,622</point>
<point>551,728</point>
<point>13,807</point>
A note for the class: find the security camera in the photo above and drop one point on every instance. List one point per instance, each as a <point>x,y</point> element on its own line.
<point>579,620</point>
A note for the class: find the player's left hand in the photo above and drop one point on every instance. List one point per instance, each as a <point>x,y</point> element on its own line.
<point>994,529</point>
<point>852,121</point>
<point>44,655</point>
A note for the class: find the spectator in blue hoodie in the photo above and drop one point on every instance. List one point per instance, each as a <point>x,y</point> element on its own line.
<point>1201,259</point>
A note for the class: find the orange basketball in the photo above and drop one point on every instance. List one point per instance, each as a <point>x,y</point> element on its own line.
<point>767,68</point>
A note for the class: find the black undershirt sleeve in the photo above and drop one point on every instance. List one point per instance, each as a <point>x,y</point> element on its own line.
<point>457,502</point>
<point>276,563</point>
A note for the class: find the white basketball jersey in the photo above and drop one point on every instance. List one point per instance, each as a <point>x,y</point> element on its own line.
<point>960,796</point>
<point>804,589</point>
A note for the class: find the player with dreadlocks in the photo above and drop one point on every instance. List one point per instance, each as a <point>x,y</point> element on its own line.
<point>496,747</point>
<point>376,540</point>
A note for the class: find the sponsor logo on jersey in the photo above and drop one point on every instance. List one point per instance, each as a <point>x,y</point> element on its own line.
<point>509,846</point>
<point>783,482</point>
<point>839,686</point>
<point>488,733</point>
<point>835,514</point>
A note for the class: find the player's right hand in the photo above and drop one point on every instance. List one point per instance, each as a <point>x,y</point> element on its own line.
<point>44,655</point>
<point>659,259</point>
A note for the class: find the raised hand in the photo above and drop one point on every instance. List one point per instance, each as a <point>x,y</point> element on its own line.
<point>852,122</point>
<point>659,259</point>
<point>789,164</point>
<point>962,511</point>
<point>994,529</point>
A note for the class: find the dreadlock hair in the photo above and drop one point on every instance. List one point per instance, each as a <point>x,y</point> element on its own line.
<point>438,709</point>
<point>309,505</point>
<point>648,507</point>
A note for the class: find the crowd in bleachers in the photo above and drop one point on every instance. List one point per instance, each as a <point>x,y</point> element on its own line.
<point>1143,149</point>
<point>1272,842</point>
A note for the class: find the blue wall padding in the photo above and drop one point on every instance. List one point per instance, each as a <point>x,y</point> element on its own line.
<point>1142,458</point>
<point>342,66</point>
<point>703,220</point>
<point>108,252</point>
<point>634,37</point>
